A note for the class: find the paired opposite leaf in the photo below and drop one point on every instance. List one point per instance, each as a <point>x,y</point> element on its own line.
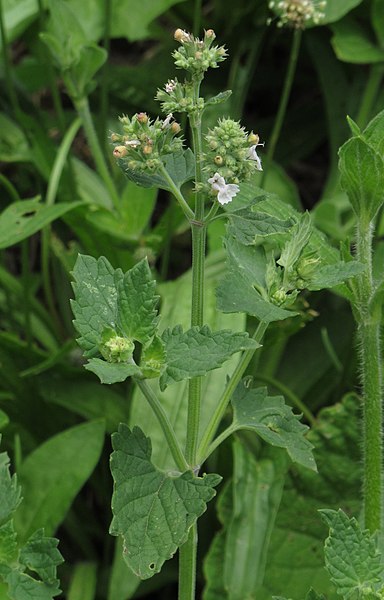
<point>180,167</point>
<point>352,556</point>
<point>153,512</point>
<point>195,352</point>
<point>273,421</point>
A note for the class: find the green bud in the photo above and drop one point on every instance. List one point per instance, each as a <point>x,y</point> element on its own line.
<point>115,348</point>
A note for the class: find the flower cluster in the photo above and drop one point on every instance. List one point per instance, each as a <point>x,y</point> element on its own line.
<point>178,97</point>
<point>298,13</point>
<point>144,142</point>
<point>231,155</point>
<point>196,55</point>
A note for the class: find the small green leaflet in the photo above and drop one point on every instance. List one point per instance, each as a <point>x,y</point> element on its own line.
<point>352,557</point>
<point>152,511</point>
<point>10,493</point>
<point>273,421</point>
<point>195,352</point>
<point>331,275</point>
<point>299,238</point>
<point>109,372</point>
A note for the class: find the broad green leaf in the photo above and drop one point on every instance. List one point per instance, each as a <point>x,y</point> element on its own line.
<point>95,306</point>
<point>52,475</point>
<point>249,227</point>
<point>273,421</point>
<point>332,275</point>
<point>352,43</point>
<point>153,511</point>
<point>91,59</point>
<point>10,495</point>
<point>351,555</point>
<point>22,219</point>
<point>247,509</point>
<point>362,177</point>
<point>131,19</point>
<point>18,15</point>
<point>136,303</point>
<point>23,587</point>
<point>335,9</point>
<point>180,167</point>
<point>377,17</point>
<point>14,145</point>
<point>195,352</point>
<point>65,36</point>
<point>85,397</point>
<point>109,372</point>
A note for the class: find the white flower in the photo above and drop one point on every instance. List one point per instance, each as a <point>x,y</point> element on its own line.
<point>225,191</point>
<point>252,155</point>
<point>133,143</point>
<point>167,120</point>
<point>170,86</point>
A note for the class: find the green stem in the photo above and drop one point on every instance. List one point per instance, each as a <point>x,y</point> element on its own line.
<point>165,424</point>
<point>221,408</point>
<point>103,114</point>
<point>369,320</point>
<point>82,108</point>
<point>187,566</point>
<point>292,62</point>
<point>197,17</point>
<point>370,94</point>
<point>188,552</point>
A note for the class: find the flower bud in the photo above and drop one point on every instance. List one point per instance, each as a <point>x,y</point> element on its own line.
<point>115,137</point>
<point>147,149</point>
<point>253,138</point>
<point>175,128</point>
<point>120,151</point>
<point>218,160</point>
<point>210,34</point>
<point>142,117</point>
<point>182,36</point>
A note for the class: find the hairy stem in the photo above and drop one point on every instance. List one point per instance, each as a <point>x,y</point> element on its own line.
<point>369,320</point>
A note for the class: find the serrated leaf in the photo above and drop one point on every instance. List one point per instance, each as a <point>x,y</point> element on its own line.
<point>109,372</point>
<point>331,275</point>
<point>362,177</point>
<point>153,358</point>
<point>299,239</point>
<point>249,226</point>
<point>10,492</point>
<point>8,543</point>
<point>95,306</point>
<point>153,512</point>
<point>195,352</point>
<point>23,587</point>
<point>351,555</point>
<point>136,303</point>
<point>180,167</point>
<point>40,554</point>
<point>273,421</point>
<point>373,134</point>
<point>22,219</point>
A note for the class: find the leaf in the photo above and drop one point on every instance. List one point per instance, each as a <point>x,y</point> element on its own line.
<point>153,512</point>
<point>249,227</point>
<point>298,240</point>
<point>331,275</point>
<point>377,18</point>
<point>136,302</point>
<point>351,555</point>
<point>40,554</point>
<point>95,306</point>
<point>22,219</point>
<point>195,352</point>
<point>110,372</point>
<point>219,98</point>
<point>180,167</point>
<point>83,581</point>
<point>335,9</point>
<point>52,475</point>
<point>14,145</point>
<point>10,494</point>
<point>362,177</point>
<point>18,15</point>
<point>352,43</point>
<point>273,421</point>
<point>65,36</point>
<point>132,20</point>
<point>374,133</point>
<point>247,508</point>
<point>91,59</point>
<point>23,587</point>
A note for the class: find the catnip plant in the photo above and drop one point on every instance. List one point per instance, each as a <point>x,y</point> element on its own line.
<point>274,255</point>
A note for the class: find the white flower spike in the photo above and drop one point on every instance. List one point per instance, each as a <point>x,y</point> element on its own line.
<point>225,191</point>
<point>252,155</point>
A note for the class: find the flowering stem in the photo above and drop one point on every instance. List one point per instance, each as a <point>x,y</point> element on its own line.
<point>188,552</point>
<point>210,432</point>
<point>177,194</point>
<point>293,56</point>
<point>165,424</point>
<point>369,320</point>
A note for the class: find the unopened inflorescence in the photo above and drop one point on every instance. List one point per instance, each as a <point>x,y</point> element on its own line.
<point>298,13</point>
